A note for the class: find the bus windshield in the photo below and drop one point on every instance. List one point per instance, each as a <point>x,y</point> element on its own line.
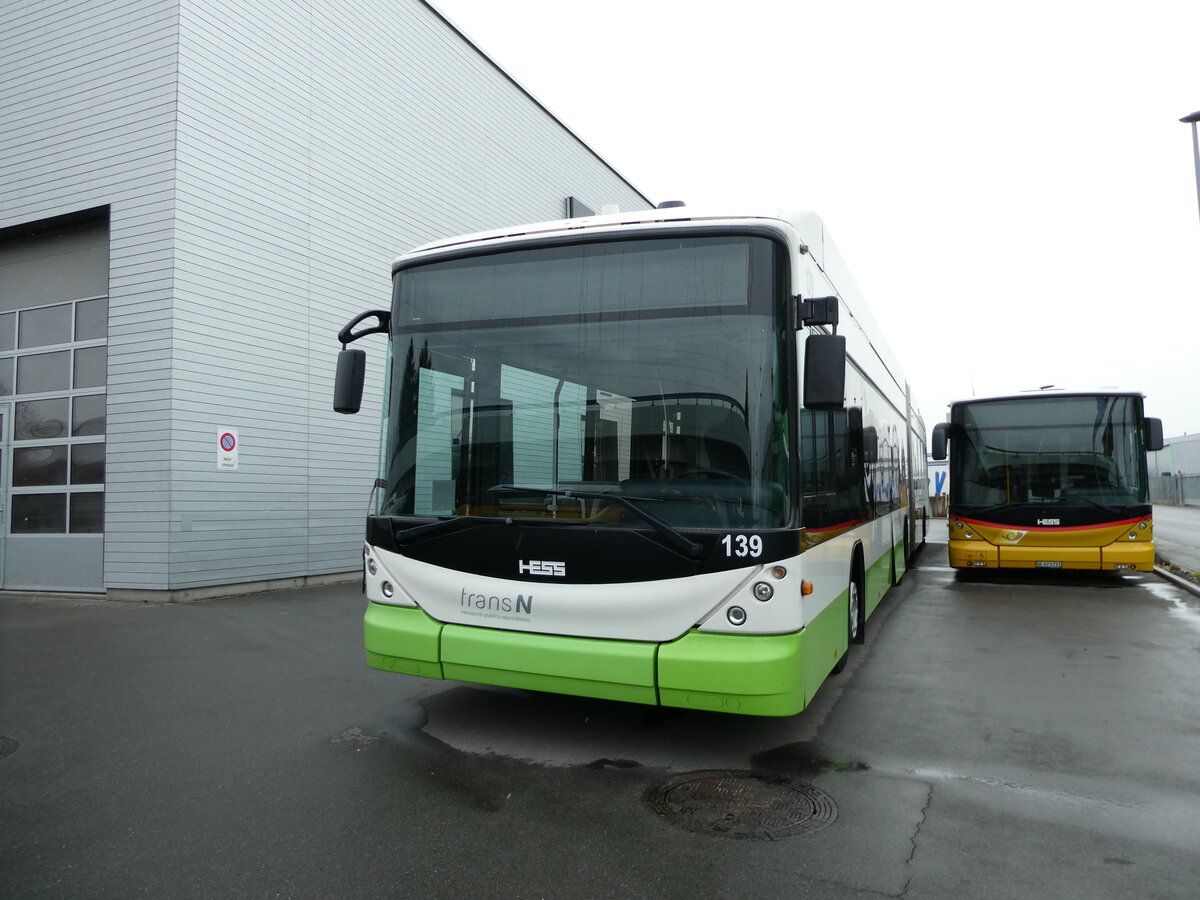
<point>1070,450</point>
<point>650,368</point>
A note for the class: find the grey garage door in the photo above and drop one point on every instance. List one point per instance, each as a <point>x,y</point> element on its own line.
<point>53,376</point>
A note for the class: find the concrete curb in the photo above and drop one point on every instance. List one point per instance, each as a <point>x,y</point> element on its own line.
<point>1176,580</point>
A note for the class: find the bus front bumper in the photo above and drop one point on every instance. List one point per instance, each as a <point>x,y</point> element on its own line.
<point>761,675</point>
<point>976,554</point>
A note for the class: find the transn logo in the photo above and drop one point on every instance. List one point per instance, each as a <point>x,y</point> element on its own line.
<point>1049,521</point>
<point>542,567</point>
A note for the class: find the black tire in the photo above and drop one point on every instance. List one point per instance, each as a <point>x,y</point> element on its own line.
<point>853,621</point>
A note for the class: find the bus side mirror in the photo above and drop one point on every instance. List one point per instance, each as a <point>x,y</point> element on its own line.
<point>348,385</point>
<point>825,371</point>
<point>1154,434</point>
<point>941,431</point>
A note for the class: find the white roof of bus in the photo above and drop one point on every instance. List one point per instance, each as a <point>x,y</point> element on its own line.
<point>807,225</point>
<point>1052,391</point>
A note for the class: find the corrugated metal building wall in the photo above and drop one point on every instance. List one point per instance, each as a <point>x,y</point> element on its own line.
<point>261,163</point>
<point>1179,456</point>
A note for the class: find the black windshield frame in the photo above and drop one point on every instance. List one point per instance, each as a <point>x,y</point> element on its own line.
<point>1012,459</point>
<point>708,359</point>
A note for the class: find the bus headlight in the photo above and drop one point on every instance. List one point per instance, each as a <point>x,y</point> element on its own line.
<point>372,567</point>
<point>736,615</point>
<point>763,592</point>
<point>387,589</point>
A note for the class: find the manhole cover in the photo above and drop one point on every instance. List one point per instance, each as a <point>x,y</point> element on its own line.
<point>741,805</point>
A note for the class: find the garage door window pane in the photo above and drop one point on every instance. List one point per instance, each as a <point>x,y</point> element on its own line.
<point>48,325</point>
<point>8,329</point>
<point>87,464</point>
<point>90,367</point>
<point>87,513</point>
<point>44,372</point>
<point>87,415</point>
<point>39,420</point>
<point>35,466</point>
<point>91,320</point>
<point>39,513</point>
<point>6,376</point>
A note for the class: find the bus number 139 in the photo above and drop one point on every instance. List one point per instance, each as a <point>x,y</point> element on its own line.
<point>742,545</point>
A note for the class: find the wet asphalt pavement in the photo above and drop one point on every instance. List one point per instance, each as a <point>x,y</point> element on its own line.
<point>997,737</point>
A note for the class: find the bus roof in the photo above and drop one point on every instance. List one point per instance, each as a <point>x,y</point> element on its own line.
<point>804,231</point>
<point>809,229</point>
<point>1051,392</point>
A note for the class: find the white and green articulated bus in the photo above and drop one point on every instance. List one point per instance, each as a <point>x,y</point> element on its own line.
<point>662,457</point>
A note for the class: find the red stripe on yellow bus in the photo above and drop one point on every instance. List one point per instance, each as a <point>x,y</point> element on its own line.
<point>1121,523</point>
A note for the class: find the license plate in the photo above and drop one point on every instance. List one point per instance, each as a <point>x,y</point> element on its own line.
<point>1042,564</point>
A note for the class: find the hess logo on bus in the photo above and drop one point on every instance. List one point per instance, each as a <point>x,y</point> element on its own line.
<point>542,567</point>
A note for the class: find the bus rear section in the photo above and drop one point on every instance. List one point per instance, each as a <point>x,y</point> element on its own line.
<point>1049,480</point>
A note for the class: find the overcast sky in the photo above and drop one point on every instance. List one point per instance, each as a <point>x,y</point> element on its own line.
<point>1009,184</point>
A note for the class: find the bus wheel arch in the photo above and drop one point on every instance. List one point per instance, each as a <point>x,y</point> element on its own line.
<point>855,618</point>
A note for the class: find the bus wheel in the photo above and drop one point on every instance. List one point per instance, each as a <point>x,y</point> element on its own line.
<point>852,624</point>
<point>855,604</point>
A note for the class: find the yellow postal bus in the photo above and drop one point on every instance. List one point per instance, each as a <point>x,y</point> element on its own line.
<point>1049,479</point>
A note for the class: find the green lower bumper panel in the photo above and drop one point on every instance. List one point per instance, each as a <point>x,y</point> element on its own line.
<point>402,639</point>
<point>754,675</point>
<point>757,675</point>
<point>584,667</point>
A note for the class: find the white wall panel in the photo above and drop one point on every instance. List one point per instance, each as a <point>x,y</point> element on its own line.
<point>317,142</point>
<point>263,161</point>
<point>87,119</point>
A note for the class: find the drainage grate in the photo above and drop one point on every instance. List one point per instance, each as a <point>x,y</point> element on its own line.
<point>741,805</point>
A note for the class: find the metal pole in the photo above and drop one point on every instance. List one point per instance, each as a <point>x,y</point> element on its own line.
<point>1192,120</point>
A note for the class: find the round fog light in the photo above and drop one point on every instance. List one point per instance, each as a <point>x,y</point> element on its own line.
<point>736,615</point>
<point>763,592</point>
<point>387,589</point>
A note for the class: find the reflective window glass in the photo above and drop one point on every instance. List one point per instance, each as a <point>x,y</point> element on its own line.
<point>8,327</point>
<point>37,420</point>
<point>91,319</point>
<point>48,325</point>
<point>35,466</point>
<point>43,372</point>
<point>6,376</point>
<point>87,415</point>
<point>91,367</point>
<point>39,514</point>
<point>87,464</point>
<point>87,513</point>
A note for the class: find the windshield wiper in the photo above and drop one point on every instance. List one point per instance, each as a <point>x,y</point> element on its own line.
<point>452,524</point>
<point>674,538</point>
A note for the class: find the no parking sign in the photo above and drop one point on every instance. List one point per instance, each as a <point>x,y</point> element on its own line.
<point>227,449</point>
